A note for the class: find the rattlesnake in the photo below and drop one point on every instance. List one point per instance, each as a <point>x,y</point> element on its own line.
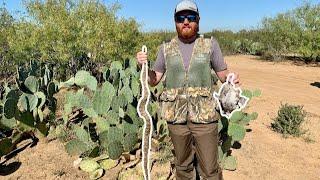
<point>144,114</point>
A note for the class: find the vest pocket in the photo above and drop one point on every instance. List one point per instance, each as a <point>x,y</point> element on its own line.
<point>202,109</point>
<point>173,107</point>
<point>167,105</point>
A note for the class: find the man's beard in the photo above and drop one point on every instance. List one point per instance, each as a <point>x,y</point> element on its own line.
<point>187,33</point>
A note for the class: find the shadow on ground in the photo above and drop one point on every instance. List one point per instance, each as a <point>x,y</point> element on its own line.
<point>316,84</point>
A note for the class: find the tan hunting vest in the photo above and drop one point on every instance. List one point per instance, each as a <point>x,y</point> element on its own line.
<point>189,94</point>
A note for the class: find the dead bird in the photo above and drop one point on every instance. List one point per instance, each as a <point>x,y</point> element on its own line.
<point>229,97</point>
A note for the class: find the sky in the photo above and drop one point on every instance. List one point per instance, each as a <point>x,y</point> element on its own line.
<point>222,15</point>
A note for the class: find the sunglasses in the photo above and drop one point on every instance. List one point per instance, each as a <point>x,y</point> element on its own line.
<point>191,18</point>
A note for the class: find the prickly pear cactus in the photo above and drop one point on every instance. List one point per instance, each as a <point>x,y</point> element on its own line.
<point>233,130</point>
<point>111,123</point>
<point>23,104</point>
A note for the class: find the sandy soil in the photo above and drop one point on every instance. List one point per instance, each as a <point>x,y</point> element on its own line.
<point>264,154</point>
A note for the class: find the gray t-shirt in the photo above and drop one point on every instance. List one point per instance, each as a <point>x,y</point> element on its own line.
<point>217,61</point>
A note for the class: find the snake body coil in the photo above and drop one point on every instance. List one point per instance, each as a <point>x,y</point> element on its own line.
<point>144,114</point>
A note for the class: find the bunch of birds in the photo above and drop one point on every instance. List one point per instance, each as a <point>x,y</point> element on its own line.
<point>229,97</point>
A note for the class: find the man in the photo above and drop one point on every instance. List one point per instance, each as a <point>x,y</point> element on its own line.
<point>186,102</point>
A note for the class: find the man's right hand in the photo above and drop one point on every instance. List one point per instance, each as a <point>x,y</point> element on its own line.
<point>142,57</point>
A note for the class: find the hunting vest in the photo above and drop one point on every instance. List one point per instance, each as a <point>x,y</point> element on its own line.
<point>187,94</point>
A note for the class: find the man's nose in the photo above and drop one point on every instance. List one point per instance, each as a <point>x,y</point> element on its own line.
<point>186,21</point>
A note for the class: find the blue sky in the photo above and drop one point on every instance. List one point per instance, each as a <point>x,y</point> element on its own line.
<point>227,14</point>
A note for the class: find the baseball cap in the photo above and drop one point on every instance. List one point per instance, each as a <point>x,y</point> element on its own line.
<point>186,5</point>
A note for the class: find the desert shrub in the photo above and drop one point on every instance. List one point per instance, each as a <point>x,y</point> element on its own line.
<point>289,120</point>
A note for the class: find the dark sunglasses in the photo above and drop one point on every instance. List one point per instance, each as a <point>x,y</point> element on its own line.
<point>191,18</point>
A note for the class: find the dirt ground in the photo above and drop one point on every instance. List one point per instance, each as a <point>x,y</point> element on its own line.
<point>264,154</point>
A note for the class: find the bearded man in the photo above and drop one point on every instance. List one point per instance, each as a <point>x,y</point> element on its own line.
<point>187,103</point>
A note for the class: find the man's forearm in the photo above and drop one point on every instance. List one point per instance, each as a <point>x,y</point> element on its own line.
<point>222,75</point>
<point>152,79</point>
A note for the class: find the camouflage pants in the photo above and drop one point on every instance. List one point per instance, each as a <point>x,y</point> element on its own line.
<point>195,140</point>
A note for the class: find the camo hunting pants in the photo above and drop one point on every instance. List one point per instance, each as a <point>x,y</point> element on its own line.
<point>200,141</point>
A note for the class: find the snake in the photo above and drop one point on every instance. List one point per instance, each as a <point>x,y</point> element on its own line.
<point>142,109</point>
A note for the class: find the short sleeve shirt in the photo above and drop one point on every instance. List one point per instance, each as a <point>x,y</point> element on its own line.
<point>216,58</point>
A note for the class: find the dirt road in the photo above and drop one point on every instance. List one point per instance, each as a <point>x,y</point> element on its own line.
<point>264,154</point>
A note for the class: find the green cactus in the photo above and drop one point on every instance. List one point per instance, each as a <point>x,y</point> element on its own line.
<point>84,79</point>
<point>256,93</point>
<point>51,89</point>
<point>107,164</point>
<point>6,146</point>
<point>9,109</point>
<point>236,116</point>
<point>247,93</point>
<point>32,84</point>
<point>76,147</point>
<point>41,99</point>
<point>116,65</point>
<point>129,127</point>
<point>233,130</point>
<point>42,129</point>
<point>227,144</point>
<point>8,123</point>
<point>127,93</point>
<point>115,134</point>
<point>13,94</point>
<point>101,101</point>
<point>230,163</point>
<point>115,149</point>
<point>245,120</point>
<point>26,122</point>
<point>237,131</point>
<point>103,139</point>
<point>253,116</point>
<point>112,117</point>
<point>115,119</point>
<point>132,113</point>
<point>89,165</point>
<point>135,86</point>
<point>27,102</point>
<point>101,124</point>
<point>96,174</point>
<point>81,134</point>
<point>47,75</point>
<point>129,141</point>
